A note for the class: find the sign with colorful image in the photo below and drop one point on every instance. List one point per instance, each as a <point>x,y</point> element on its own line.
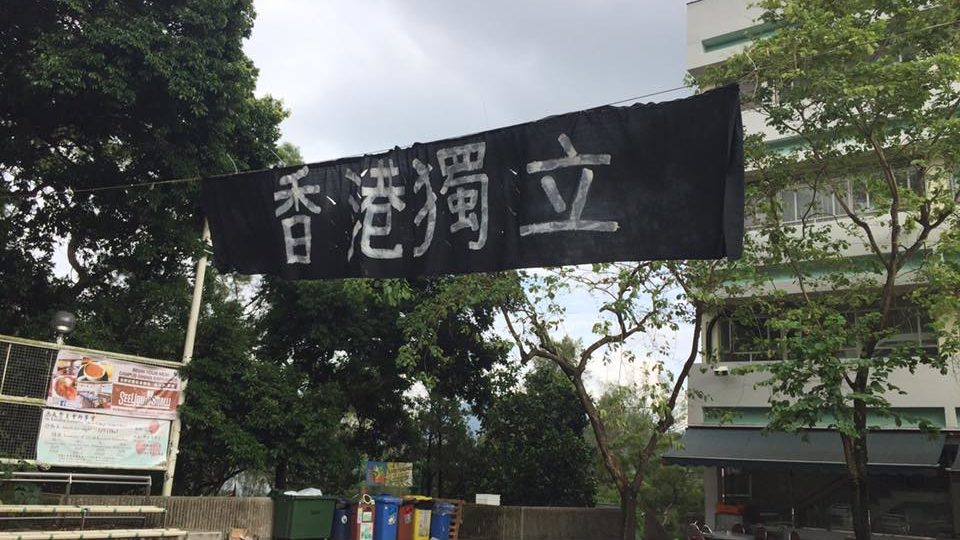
<point>389,473</point>
<point>95,383</point>
<point>80,439</point>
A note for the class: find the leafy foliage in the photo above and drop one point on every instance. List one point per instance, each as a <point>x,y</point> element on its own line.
<point>674,494</point>
<point>850,216</point>
<point>100,94</point>
<point>532,448</point>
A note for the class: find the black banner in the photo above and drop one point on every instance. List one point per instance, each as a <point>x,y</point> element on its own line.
<point>646,182</point>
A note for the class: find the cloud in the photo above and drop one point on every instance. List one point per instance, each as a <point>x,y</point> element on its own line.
<point>365,76</point>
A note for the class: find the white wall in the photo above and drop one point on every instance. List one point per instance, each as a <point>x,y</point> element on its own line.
<point>711,18</point>
<point>925,388</point>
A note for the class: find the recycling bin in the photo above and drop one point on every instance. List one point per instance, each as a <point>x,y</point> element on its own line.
<point>302,517</point>
<point>422,508</point>
<point>440,520</point>
<point>361,524</point>
<point>405,519</point>
<point>341,521</point>
<point>386,509</point>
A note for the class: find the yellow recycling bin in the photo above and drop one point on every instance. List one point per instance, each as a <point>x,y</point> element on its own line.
<point>422,509</point>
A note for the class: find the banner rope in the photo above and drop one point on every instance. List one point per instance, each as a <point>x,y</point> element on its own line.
<point>196,178</point>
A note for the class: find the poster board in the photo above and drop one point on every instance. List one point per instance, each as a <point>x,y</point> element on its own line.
<point>82,439</point>
<point>84,382</point>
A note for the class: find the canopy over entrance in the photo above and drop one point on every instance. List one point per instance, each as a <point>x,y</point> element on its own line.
<point>750,447</point>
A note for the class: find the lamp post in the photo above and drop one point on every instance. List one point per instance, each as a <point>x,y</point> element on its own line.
<point>63,323</point>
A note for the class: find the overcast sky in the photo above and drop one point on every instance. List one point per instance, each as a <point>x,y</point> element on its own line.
<point>363,76</point>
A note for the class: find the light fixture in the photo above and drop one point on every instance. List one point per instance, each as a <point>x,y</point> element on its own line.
<point>63,323</point>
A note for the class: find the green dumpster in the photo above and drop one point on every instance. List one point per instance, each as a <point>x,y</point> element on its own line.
<point>302,517</point>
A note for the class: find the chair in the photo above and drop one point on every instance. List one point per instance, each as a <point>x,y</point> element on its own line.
<point>737,528</point>
<point>759,533</point>
<point>694,532</point>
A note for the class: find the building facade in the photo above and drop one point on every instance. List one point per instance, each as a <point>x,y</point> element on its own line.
<point>799,481</point>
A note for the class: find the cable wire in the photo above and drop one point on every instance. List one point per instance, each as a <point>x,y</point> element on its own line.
<point>150,184</point>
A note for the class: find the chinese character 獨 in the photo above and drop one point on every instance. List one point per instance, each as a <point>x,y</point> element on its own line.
<point>379,199</point>
<point>292,197</point>
<point>549,185</point>
<point>429,210</point>
<point>464,199</point>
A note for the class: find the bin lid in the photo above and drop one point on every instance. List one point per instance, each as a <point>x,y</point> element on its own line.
<point>387,499</point>
<point>443,507</point>
<point>287,496</point>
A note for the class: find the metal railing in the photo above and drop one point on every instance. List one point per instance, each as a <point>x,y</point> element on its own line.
<point>70,479</point>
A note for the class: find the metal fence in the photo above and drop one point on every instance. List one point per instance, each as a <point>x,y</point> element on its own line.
<point>26,367</point>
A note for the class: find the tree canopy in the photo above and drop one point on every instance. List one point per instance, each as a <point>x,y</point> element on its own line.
<point>532,448</point>
<point>849,275</point>
<point>104,94</point>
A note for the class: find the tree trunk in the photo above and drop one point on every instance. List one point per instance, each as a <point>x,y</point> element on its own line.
<point>628,515</point>
<point>280,475</point>
<point>652,528</point>
<point>855,454</point>
<point>440,491</point>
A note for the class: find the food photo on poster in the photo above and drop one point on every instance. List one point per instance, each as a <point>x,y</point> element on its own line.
<point>96,383</point>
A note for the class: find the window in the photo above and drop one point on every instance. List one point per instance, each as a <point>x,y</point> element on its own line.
<point>745,341</point>
<point>913,329</point>
<point>742,340</point>
<point>803,202</point>
<point>735,485</point>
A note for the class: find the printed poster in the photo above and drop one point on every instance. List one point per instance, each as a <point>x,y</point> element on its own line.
<point>81,439</point>
<point>389,473</point>
<point>101,384</point>
<point>399,474</point>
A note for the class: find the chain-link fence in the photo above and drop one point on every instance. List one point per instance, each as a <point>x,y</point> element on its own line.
<point>26,368</point>
<point>24,377</point>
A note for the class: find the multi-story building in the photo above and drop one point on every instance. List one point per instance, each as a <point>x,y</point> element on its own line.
<point>788,480</point>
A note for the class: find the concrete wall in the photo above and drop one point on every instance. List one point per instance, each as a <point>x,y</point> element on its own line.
<point>711,18</point>
<point>199,513</point>
<point>926,388</point>
<point>482,522</point>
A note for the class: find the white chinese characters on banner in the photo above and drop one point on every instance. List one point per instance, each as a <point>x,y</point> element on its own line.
<point>293,195</point>
<point>379,198</point>
<point>429,209</point>
<point>549,185</point>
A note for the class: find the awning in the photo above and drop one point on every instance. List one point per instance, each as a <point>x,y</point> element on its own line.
<point>750,447</point>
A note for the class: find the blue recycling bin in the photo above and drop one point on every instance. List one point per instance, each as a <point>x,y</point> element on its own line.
<point>341,521</point>
<point>440,520</point>
<point>385,514</point>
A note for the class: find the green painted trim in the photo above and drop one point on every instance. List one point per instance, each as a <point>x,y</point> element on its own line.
<point>738,36</point>
<point>736,416</point>
<point>786,144</point>
<point>759,417</point>
<point>858,265</point>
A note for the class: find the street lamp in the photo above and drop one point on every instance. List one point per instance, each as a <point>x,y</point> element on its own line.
<point>63,323</point>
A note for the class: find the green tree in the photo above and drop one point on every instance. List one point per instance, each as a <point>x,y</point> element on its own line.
<point>352,335</point>
<point>532,448</point>
<point>635,299</point>
<point>673,495</point>
<point>852,214</point>
<point>101,94</point>
<point>442,448</point>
